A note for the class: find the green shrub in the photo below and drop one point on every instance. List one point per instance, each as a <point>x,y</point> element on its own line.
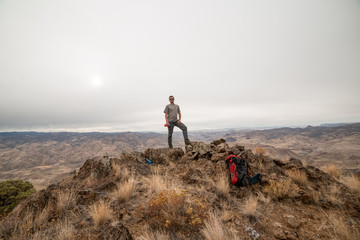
<point>11,193</point>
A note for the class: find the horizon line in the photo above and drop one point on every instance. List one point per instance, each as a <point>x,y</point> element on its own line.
<point>82,130</point>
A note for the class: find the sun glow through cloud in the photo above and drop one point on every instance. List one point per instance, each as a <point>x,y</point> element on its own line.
<point>96,82</point>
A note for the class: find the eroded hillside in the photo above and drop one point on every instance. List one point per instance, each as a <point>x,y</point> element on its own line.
<point>186,195</point>
<point>43,158</point>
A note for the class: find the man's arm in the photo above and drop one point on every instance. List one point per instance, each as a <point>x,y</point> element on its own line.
<point>179,118</point>
<point>166,119</point>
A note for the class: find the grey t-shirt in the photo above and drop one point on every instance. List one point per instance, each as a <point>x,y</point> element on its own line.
<point>172,110</point>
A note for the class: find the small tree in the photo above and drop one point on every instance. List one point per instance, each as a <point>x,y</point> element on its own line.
<point>11,193</point>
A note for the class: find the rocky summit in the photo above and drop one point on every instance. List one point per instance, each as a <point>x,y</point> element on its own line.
<point>186,194</point>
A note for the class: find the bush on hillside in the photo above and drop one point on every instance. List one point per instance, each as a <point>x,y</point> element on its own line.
<point>11,193</point>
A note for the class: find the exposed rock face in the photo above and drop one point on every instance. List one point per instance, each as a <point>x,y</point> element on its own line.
<point>99,169</point>
<point>214,151</point>
<point>303,213</point>
<point>160,156</point>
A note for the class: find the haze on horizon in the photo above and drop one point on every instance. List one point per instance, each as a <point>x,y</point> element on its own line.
<point>111,65</point>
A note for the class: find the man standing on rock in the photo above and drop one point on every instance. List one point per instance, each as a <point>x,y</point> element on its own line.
<point>171,116</point>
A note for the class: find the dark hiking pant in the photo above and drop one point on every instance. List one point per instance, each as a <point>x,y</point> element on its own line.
<point>171,129</point>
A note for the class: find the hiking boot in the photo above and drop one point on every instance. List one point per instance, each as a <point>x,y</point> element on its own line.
<point>187,142</point>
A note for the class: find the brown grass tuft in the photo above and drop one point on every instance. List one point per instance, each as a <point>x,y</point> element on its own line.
<point>352,182</point>
<point>124,191</point>
<point>120,173</point>
<point>65,230</point>
<point>333,170</point>
<point>126,174</point>
<point>334,195</point>
<point>281,189</point>
<point>341,229</point>
<point>150,234</point>
<point>156,183</point>
<point>90,181</point>
<point>260,151</point>
<point>222,184</point>
<point>213,230</point>
<point>304,162</point>
<point>100,212</point>
<point>250,206</point>
<point>260,166</point>
<point>315,196</point>
<point>23,226</point>
<point>66,199</point>
<point>157,169</point>
<point>117,171</point>
<point>43,217</point>
<point>262,198</point>
<point>297,176</point>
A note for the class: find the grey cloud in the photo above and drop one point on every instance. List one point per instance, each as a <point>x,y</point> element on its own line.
<point>229,64</point>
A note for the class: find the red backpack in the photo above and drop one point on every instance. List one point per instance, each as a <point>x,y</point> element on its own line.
<point>239,170</point>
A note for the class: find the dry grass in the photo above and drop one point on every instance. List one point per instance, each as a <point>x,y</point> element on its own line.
<point>124,191</point>
<point>315,196</point>
<point>227,215</point>
<point>260,166</point>
<point>36,236</point>
<point>222,184</point>
<point>250,205</point>
<point>333,170</point>
<point>260,151</point>
<point>156,169</point>
<point>334,195</point>
<point>174,211</point>
<point>341,229</point>
<point>43,217</point>
<point>213,230</point>
<point>150,234</point>
<point>100,213</point>
<point>281,189</point>
<point>297,176</point>
<point>125,173</point>
<point>156,183</point>
<point>24,227</point>
<point>65,230</point>
<point>352,182</point>
<point>66,199</point>
<point>117,171</point>
<point>262,198</point>
<point>90,181</point>
<point>304,162</point>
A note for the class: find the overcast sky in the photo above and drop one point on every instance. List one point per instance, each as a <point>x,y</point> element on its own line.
<point>111,65</point>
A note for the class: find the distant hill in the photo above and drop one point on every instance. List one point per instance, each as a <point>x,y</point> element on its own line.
<point>336,124</point>
<point>316,145</point>
<point>44,157</point>
<point>40,157</point>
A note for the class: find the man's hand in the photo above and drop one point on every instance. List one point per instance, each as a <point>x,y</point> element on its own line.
<point>179,121</point>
